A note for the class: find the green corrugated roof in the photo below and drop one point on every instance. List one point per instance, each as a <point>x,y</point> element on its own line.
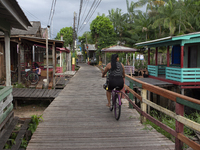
<point>173,40</point>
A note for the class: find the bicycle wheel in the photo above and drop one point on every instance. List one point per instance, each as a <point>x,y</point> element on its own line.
<point>111,103</point>
<point>117,107</point>
<point>33,77</point>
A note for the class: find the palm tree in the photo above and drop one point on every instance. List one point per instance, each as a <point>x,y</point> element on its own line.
<point>142,23</point>
<point>118,20</point>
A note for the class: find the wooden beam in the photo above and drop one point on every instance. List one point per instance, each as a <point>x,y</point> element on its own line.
<point>179,126</point>
<point>133,92</point>
<point>7,56</point>
<point>47,57</point>
<point>150,118</point>
<point>54,64</point>
<point>168,57</point>
<point>163,92</point>
<point>182,56</point>
<point>156,56</point>
<point>19,61</point>
<point>189,142</point>
<point>143,105</point>
<point>149,62</point>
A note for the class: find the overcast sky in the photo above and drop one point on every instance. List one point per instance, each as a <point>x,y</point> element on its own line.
<point>39,10</point>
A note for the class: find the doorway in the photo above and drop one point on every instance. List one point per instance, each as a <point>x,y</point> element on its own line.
<point>192,56</point>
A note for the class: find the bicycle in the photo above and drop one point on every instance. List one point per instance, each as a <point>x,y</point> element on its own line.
<point>27,75</point>
<point>116,103</point>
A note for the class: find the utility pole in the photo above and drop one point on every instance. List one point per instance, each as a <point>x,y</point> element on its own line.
<point>73,56</point>
<point>47,55</point>
<point>87,50</point>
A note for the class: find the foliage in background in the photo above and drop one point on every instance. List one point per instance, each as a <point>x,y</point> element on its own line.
<point>170,122</point>
<point>18,85</point>
<point>67,33</point>
<point>34,123</point>
<point>102,32</point>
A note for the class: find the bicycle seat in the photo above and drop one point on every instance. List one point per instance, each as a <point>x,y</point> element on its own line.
<point>117,88</point>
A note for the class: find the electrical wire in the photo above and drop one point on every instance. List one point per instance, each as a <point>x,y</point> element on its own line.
<point>97,4</point>
<point>51,11</point>
<point>81,2</point>
<point>86,4</point>
<point>88,13</point>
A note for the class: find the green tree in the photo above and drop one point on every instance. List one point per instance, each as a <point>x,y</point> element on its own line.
<point>82,39</point>
<point>142,23</point>
<point>67,33</point>
<point>103,33</point>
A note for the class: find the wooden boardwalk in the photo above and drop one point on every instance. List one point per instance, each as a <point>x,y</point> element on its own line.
<point>35,94</point>
<point>78,119</point>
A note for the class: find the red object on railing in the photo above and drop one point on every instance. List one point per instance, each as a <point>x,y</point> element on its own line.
<point>156,56</point>
<point>168,58</point>
<point>182,55</point>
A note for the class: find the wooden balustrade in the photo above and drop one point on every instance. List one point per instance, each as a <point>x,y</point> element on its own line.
<point>180,100</point>
<point>6,105</point>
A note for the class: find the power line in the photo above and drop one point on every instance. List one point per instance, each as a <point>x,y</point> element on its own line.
<point>88,13</point>
<point>81,2</point>
<point>97,4</point>
<point>51,11</point>
<point>86,4</point>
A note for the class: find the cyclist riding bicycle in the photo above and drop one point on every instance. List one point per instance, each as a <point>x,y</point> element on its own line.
<point>116,75</point>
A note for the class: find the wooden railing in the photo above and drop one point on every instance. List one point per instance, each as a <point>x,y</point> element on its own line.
<point>180,100</point>
<point>153,70</point>
<point>6,105</point>
<point>159,69</point>
<point>129,69</point>
<point>183,74</point>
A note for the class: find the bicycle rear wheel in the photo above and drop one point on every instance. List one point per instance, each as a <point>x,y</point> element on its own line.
<point>33,77</point>
<point>117,108</point>
<point>111,103</point>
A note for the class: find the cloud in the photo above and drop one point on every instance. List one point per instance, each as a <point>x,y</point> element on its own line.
<point>39,10</point>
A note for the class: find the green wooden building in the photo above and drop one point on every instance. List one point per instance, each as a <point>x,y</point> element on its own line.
<point>183,63</point>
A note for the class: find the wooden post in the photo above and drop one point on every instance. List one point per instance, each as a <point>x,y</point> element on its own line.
<point>47,57</point>
<point>33,53</point>
<point>148,56</point>
<point>156,56</point>
<point>131,95</point>
<point>60,59</point>
<point>168,59</point>
<point>7,56</point>
<point>143,105</point>
<point>182,56</point>
<point>19,61</point>
<point>54,64</point>
<point>149,98</point>
<point>179,126</point>
<point>105,58</point>
<point>126,59</point>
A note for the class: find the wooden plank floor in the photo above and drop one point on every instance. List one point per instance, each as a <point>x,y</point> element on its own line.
<point>25,93</point>
<point>78,119</point>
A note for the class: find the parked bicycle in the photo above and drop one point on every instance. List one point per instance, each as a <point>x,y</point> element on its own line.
<point>116,103</point>
<point>27,76</point>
